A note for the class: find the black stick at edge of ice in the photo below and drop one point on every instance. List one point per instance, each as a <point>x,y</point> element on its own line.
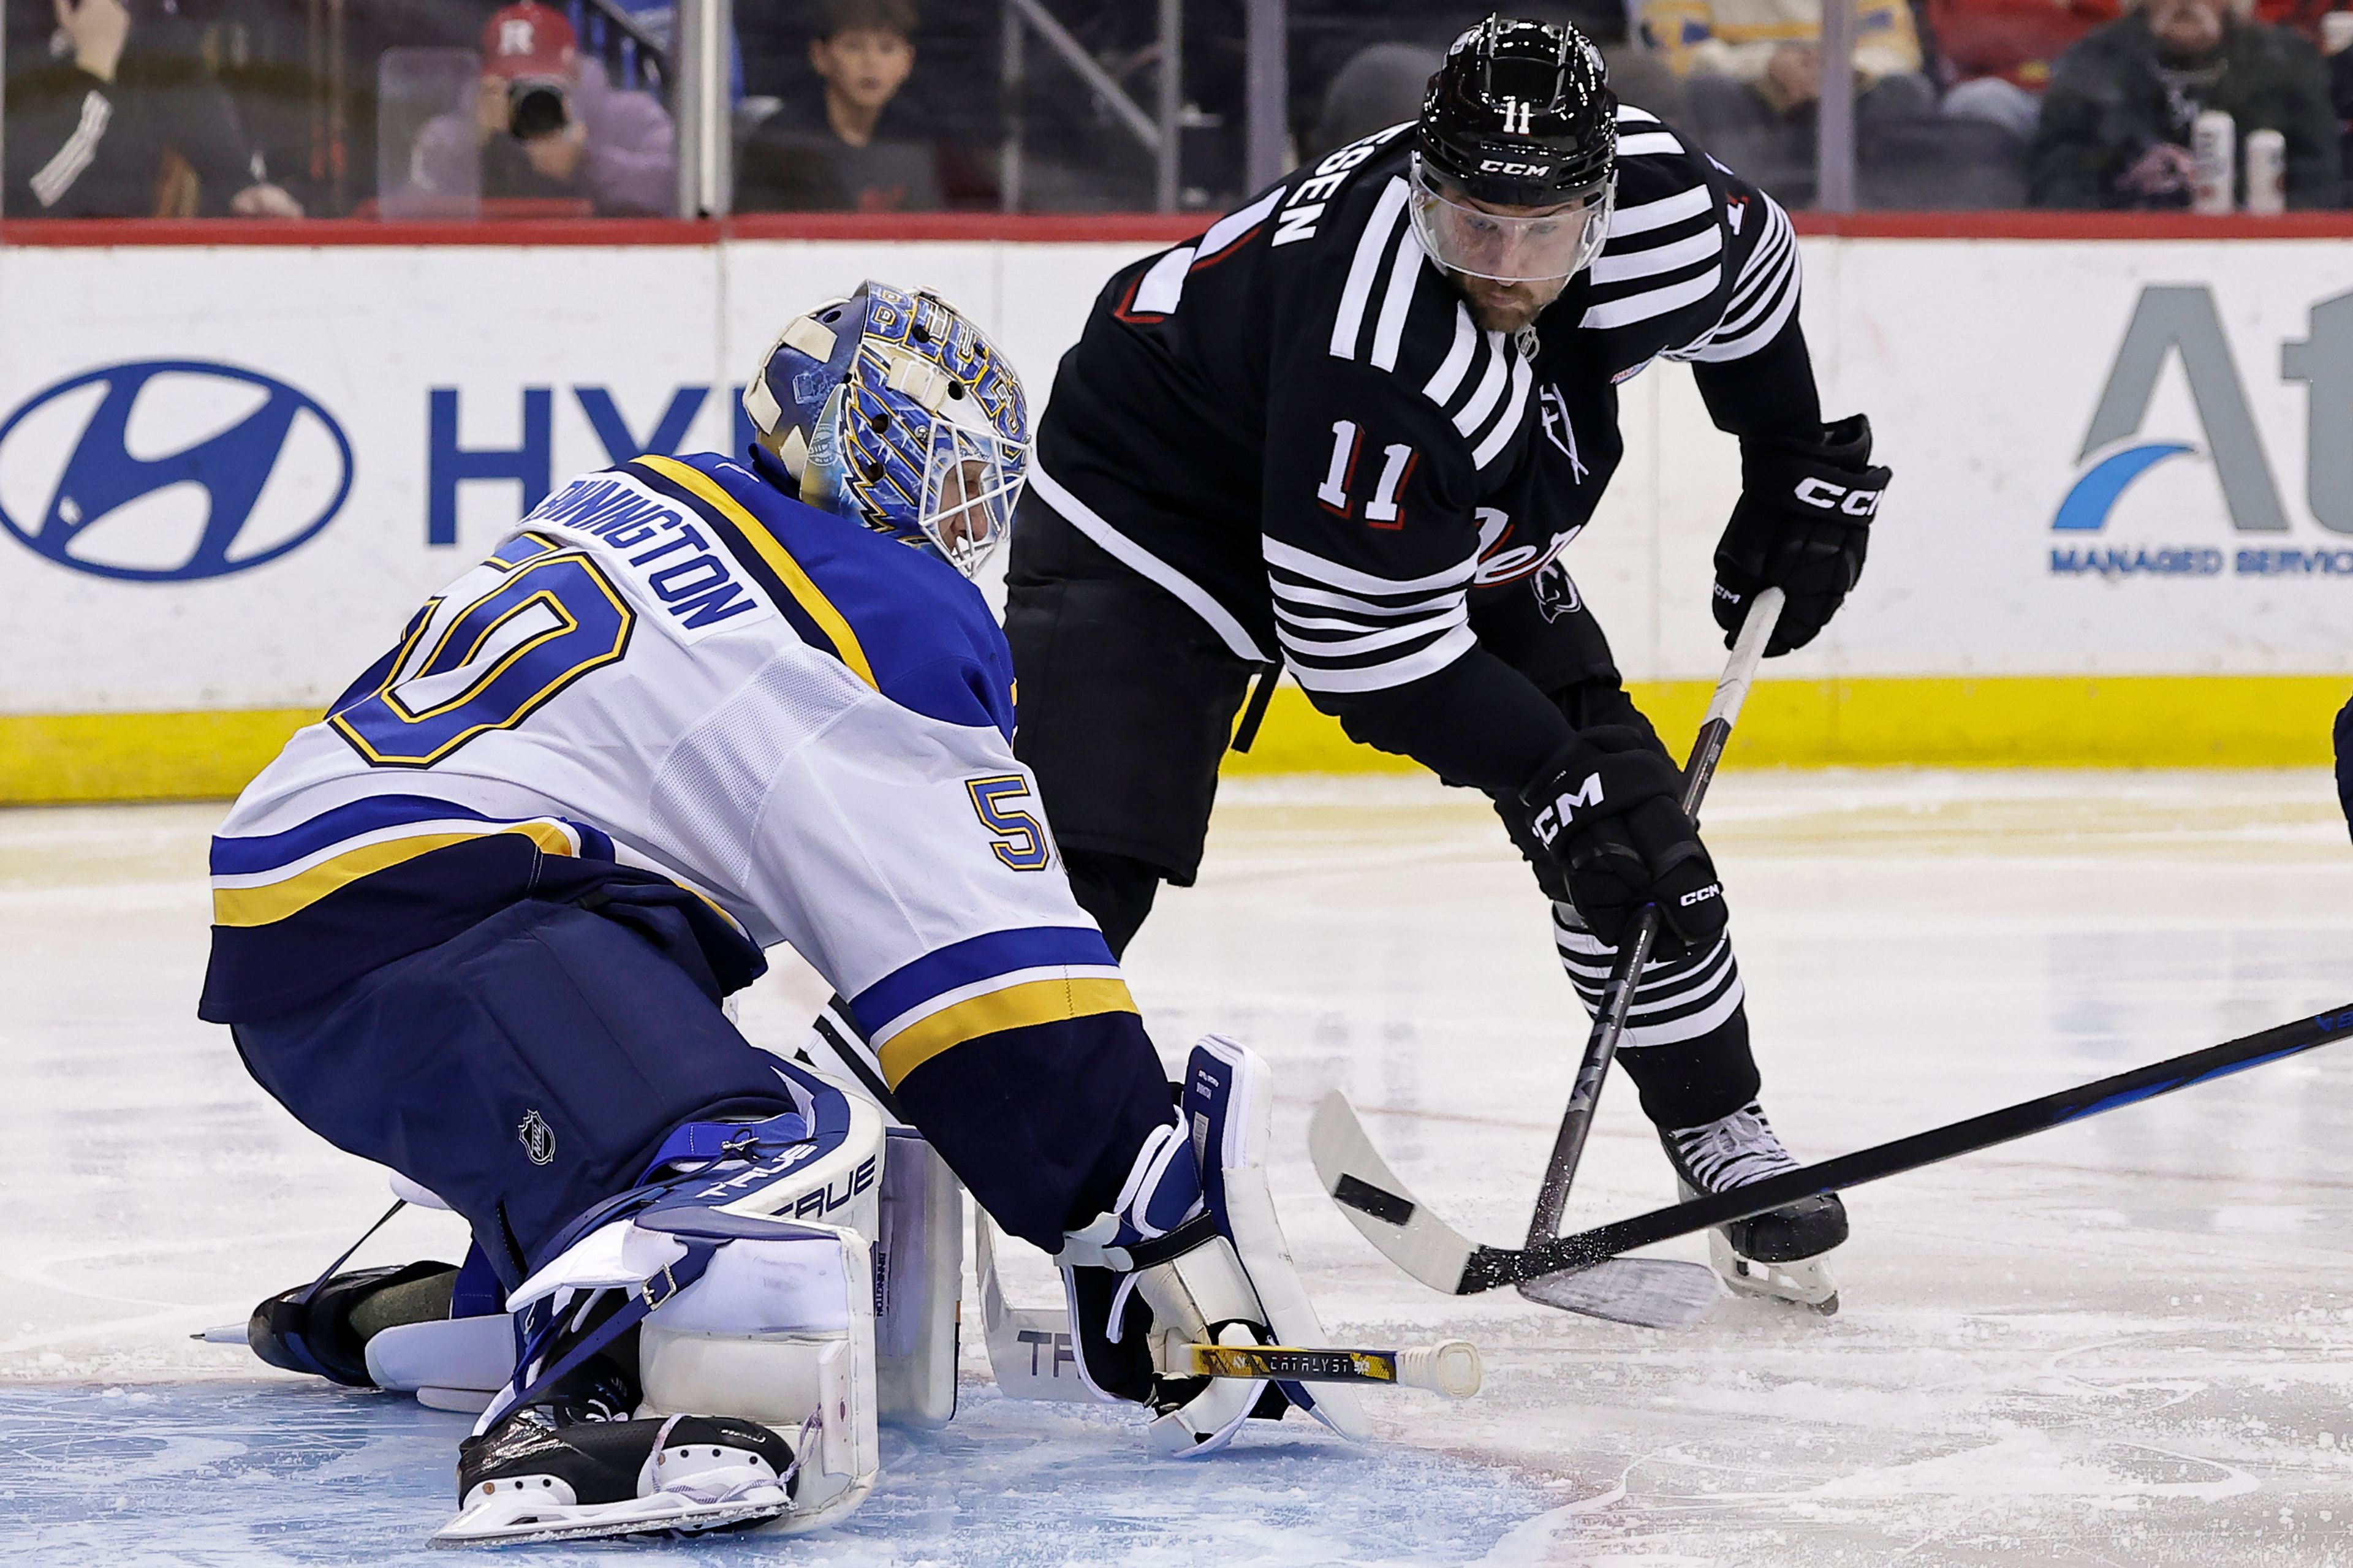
<point>1491,1267</point>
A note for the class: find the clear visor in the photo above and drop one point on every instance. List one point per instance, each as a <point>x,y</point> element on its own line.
<point>971,481</point>
<point>1509,247</point>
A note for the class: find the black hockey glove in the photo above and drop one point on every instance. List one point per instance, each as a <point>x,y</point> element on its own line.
<point>1801,525</point>
<point>1607,810</point>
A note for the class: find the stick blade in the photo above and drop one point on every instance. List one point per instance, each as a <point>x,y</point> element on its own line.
<point>1378,1204</point>
<point>1648,1292</point>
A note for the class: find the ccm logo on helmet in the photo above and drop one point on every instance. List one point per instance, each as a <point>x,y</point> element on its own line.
<point>1505,166</point>
<point>1819,492</point>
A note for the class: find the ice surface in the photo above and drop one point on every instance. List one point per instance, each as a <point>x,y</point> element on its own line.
<point>2126,1342</point>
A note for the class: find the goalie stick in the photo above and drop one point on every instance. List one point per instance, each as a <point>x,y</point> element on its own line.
<point>1450,1367</point>
<point>1029,1347</point>
<point>1441,1257</point>
<point>1618,1001</point>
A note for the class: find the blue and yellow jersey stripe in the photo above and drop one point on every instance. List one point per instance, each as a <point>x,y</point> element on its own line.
<point>789,586</point>
<point>262,879</point>
<point>987,984</point>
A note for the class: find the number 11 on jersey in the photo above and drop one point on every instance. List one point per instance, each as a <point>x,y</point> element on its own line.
<point>1385,510</point>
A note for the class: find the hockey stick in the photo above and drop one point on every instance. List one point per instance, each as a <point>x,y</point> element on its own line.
<point>1440,1257</point>
<point>1450,1367</point>
<point>1633,952</point>
<point>1651,1292</point>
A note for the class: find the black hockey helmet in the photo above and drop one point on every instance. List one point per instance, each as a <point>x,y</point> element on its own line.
<point>1521,114</point>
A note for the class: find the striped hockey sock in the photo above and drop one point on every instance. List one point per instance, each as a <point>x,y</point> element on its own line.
<point>1676,1000</point>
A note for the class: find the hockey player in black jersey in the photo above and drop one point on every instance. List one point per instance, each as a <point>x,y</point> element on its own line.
<point>1349,431</point>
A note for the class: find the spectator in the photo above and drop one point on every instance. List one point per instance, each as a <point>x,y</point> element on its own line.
<point>852,151</point>
<point>547,124</point>
<point>2000,53</point>
<point>1752,72</point>
<point>2115,128</point>
<point>125,120</point>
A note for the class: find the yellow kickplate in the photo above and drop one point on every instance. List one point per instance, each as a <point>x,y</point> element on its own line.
<point>51,757</point>
<point>2125,721</point>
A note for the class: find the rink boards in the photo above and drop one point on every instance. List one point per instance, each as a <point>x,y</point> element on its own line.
<point>2121,530</point>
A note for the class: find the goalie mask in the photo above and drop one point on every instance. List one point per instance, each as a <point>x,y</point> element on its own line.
<point>895,411</point>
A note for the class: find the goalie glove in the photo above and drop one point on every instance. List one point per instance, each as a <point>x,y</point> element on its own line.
<point>1605,811</point>
<point>1192,1254</point>
<point>1803,525</point>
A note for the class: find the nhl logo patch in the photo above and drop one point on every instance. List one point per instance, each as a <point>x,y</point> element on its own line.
<point>538,1138</point>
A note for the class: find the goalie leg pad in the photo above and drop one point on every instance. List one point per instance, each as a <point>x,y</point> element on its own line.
<point>747,1282</point>
<point>918,1284</point>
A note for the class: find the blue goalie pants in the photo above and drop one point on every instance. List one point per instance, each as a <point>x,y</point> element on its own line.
<point>523,1070</point>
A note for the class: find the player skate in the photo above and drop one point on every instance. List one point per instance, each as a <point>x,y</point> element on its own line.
<point>1777,1253</point>
<point>1192,1253</point>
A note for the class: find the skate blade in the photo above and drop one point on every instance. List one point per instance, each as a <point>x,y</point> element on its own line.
<point>1806,1282</point>
<point>1648,1292</point>
<point>517,1521</point>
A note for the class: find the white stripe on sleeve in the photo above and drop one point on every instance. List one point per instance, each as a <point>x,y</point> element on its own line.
<point>1656,303</point>
<point>1491,387</point>
<point>1405,276</point>
<point>1162,288</point>
<point>1365,610</point>
<point>1658,258</point>
<point>1644,216</point>
<point>1304,564</point>
<point>1458,641</point>
<point>1388,209</point>
<point>1648,141</point>
<point>1442,384</point>
<point>1764,299</point>
<point>1507,424</point>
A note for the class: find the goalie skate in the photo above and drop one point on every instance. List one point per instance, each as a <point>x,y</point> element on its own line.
<point>527,1480</point>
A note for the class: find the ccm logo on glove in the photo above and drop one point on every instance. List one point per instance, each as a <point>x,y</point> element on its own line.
<point>1605,811</point>
<point>1803,525</point>
<point>1854,502</point>
<point>1562,811</point>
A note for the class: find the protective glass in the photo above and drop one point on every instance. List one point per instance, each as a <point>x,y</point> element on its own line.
<point>972,478</point>
<point>1509,250</point>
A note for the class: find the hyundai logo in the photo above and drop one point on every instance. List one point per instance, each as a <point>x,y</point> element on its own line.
<point>170,471</point>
